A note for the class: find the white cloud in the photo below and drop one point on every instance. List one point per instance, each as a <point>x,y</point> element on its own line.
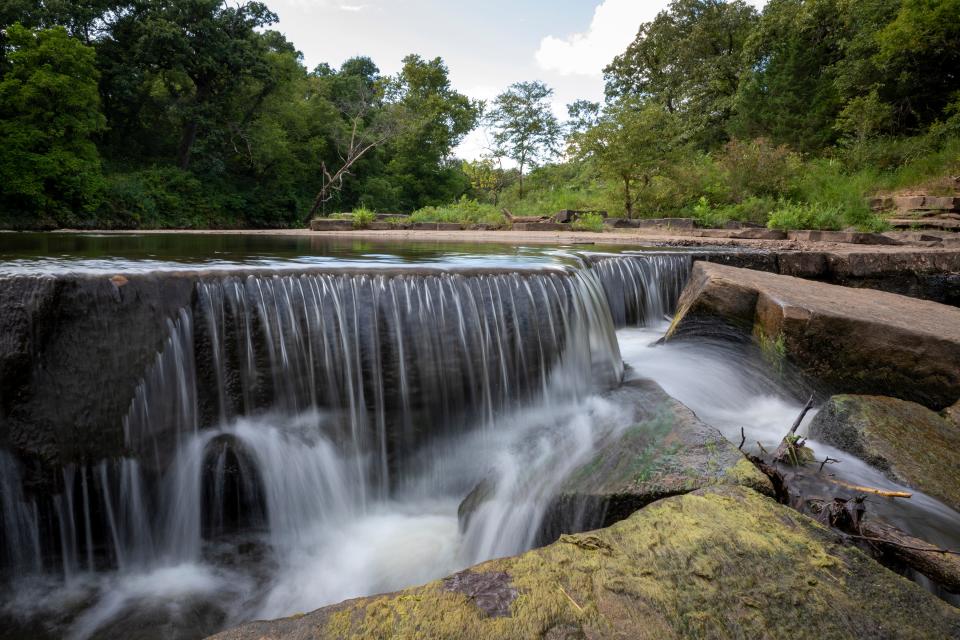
<point>352,7</point>
<point>614,25</point>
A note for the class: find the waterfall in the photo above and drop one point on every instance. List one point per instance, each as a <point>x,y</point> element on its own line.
<point>21,532</point>
<point>642,289</point>
<point>277,401</point>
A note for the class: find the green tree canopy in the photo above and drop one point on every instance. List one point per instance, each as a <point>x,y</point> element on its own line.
<point>632,143</point>
<point>524,127</point>
<point>688,59</point>
<point>49,109</point>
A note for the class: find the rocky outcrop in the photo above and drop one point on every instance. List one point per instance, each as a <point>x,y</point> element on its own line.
<point>722,562</point>
<point>848,340</point>
<point>71,351</point>
<point>912,444</point>
<point>666,451</point>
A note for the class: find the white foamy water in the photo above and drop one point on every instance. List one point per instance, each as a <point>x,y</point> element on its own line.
<point>729,390</point>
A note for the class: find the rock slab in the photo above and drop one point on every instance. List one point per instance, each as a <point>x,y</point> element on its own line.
<point>913,445</point>
<point>848,340</point>
<point>668,451</point>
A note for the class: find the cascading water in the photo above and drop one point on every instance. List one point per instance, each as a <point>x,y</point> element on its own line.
<point>642,289</point>
<point>305,437</point>
<point>298,413</point>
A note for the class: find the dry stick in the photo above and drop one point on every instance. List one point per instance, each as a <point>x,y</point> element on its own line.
<point>572,601</point>
<point>785,444</point>
<point>880,492</point>
<point>827,460</point>
<point>901,545</point>
<point>743,438</point>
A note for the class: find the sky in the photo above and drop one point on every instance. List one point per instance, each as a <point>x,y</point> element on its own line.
<point>487,45</point>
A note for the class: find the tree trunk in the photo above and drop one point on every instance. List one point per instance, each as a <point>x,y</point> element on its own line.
<point>628,199</point>
<point>187,138</point>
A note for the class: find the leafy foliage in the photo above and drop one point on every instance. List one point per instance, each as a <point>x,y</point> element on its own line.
<point>524,127</point>
<point>49,111</point>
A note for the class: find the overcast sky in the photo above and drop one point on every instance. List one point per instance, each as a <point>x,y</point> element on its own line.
<point>487,45</point>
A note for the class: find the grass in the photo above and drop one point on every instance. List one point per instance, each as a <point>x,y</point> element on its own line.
<point>464,212</point>
<point>588,222</point>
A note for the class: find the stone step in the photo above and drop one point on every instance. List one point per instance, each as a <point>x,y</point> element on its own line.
<point>925,223</point>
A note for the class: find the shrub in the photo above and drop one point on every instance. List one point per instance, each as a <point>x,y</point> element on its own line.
<point>795,215</point>
<point>588,222</point>
<point>757,168</point>
<point>707,216</point>
<point>362,217</point>
<point>465,212</point>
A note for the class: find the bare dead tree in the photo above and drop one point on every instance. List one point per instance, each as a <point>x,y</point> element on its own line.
<point>357,139</point>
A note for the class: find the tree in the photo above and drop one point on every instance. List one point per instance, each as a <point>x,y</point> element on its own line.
<point>524,127</point>
<point>49,109</point>
<point>360,124</point>
<point>919,55</point>
<point>689,60</point>
<point>182,62</point>
<point>632,142</point>
<point>439,118</point>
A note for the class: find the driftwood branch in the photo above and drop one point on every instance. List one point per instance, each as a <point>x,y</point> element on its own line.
<point>827,460</point>
<point>877,492</point>
<point>743,438</point>
<point>791,448</point>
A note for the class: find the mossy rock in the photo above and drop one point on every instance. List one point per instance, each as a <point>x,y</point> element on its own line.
<point>910,443</point>
<point>721,562</point>
<point>667,452</point>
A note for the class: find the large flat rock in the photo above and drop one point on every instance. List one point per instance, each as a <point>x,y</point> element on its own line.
<point>848,340</point>
<point>665,451</point>
<point>722,562</point>
<point>913,445</point>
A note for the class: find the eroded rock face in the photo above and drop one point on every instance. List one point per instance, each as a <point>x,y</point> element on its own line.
<point>71,351</point>
<point>912,444</point>
<point>668,451</point>
<point>723,562</point>
<point>849,340</point>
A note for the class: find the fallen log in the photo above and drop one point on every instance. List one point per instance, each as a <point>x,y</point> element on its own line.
<point>892,545</point>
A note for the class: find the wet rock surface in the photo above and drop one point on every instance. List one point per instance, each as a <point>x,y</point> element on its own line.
<point>721,562</point>
<point>71,351</point>
<point>913,445</point>
<point>848,340</point>
<point>667,451</point>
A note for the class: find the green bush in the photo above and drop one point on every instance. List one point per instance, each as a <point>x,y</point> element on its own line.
<point>465,212</point>
<point>362,217</point>
<point>707,216</point>
<point>588,222</point>
<point>798,215</point>
<point>167,198</point>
